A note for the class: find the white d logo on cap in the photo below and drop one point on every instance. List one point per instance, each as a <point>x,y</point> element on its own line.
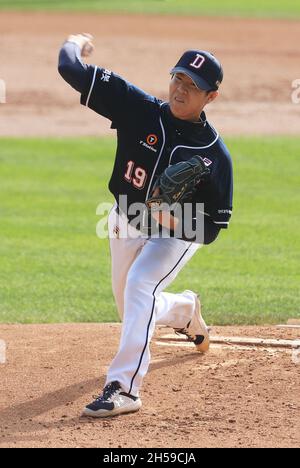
<point>199,60</point>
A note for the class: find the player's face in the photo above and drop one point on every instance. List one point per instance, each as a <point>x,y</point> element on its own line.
<point>185,99</point>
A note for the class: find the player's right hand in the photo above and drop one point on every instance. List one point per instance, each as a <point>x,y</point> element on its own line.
<point>84,41</point>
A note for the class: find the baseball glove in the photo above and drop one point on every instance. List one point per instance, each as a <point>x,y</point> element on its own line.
<point>177,184</point>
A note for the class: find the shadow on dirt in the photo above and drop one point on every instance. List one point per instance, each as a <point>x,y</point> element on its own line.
<point>19,418</point>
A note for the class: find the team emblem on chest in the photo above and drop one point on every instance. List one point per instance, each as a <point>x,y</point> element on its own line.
<point>152,139</point>
<point>150,142</point>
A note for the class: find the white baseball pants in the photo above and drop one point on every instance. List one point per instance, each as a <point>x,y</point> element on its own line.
<point>141,269</point>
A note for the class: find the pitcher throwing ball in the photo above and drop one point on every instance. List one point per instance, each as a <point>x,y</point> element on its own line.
<point>171,161</point>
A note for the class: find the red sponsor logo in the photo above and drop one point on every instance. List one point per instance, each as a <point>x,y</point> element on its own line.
<point>152,139</point>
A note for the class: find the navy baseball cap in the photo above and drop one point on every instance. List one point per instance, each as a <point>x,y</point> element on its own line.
<point>202,67</point>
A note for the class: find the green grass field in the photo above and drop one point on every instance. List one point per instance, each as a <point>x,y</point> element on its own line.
<point>55,269</point>
<point>256,8</point>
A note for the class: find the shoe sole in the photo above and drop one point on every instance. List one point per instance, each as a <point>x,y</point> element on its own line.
<point>202,347</point>
<point>135,406</point>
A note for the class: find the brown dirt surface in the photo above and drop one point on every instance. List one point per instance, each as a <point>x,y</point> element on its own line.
<point>230,397</point>
<point>260,58</point>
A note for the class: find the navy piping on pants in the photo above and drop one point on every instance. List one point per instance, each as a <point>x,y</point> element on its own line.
<point>142,355</point>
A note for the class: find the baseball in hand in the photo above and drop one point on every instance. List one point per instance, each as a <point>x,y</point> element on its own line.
<point>84,41</point>
<point>88,47</point>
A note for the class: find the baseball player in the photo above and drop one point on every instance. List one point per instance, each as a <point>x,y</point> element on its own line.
<point>158,144</point>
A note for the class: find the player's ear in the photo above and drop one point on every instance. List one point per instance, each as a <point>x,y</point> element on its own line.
<point>211,96</point>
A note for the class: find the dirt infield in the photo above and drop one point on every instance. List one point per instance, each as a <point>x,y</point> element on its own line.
<point>260,59</point>
<point>231,397</point>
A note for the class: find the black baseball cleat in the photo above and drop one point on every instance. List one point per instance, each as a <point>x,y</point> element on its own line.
<point>196,330</point>
<point>111,402</point>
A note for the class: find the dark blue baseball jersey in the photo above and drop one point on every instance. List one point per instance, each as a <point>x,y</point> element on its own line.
<point>150,138</point>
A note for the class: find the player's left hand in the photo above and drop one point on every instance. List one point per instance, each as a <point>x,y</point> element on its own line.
<point>164,217</point>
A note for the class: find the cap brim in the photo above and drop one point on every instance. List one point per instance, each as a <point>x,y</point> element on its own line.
<point>199,82</point>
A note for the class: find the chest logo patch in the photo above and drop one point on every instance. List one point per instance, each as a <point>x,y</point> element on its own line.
<point>207,161</point>
<point>152,139</point>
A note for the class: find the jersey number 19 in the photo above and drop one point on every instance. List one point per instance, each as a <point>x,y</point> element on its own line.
<point>135,175</point>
